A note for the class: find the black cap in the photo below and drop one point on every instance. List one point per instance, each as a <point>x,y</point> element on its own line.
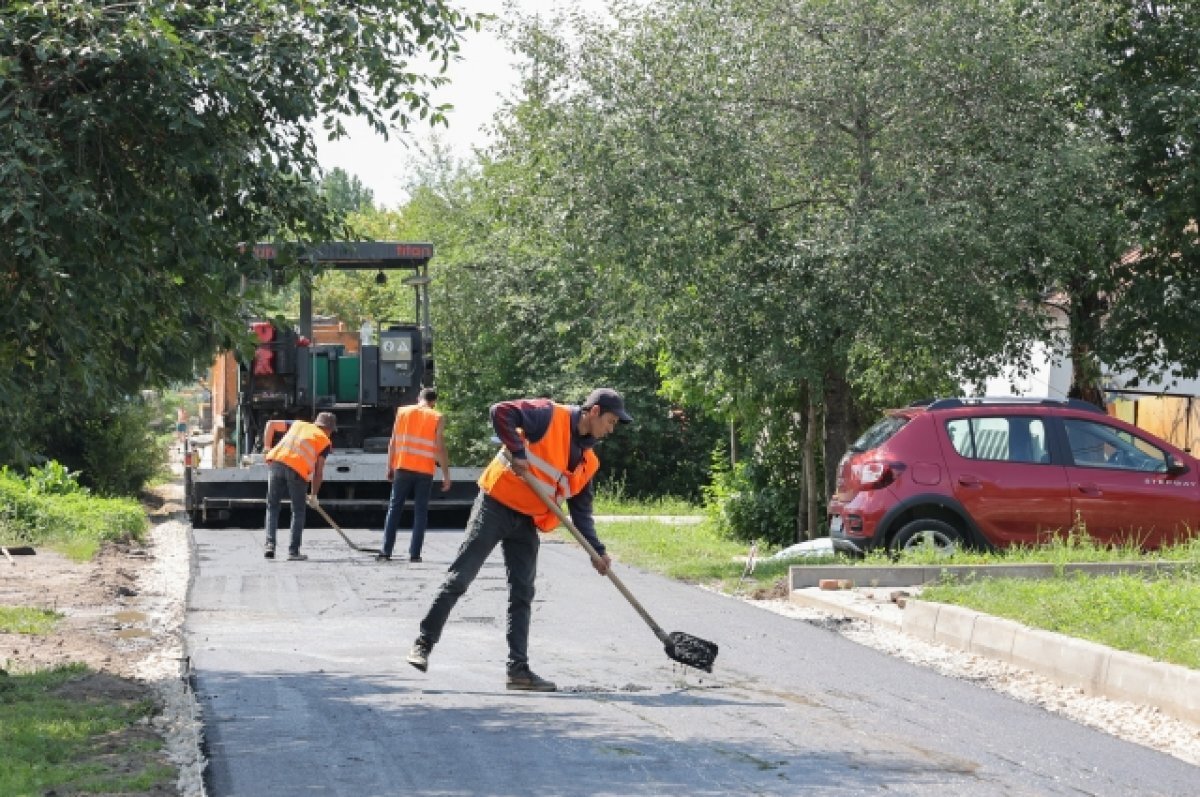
<point>608,400</point>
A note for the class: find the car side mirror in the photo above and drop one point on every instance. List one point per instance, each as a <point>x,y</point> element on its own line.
<point>1174,466</point>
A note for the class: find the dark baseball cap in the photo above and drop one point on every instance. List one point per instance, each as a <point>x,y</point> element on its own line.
<point>608,400</point>
<point>327,420</point>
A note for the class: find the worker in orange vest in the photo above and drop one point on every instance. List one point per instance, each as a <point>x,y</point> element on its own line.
<point>417,449</point>
<point>294,463</point>
<point>553,443</point>
<point>273,430</point>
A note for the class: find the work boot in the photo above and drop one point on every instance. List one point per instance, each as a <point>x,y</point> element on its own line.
<point>414,559</point>
<point>383,557</point>
<point>418,656</point>
<point>296,556</point>
<point>526,680</point>
<point>269,551</point>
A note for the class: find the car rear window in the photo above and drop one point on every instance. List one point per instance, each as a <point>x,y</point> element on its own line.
<point>1007,439</point>
<point>879,434</point>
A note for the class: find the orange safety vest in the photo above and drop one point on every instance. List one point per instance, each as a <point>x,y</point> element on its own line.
<point>300,448</point>
<point>414,439</point>
<point>548,463</point>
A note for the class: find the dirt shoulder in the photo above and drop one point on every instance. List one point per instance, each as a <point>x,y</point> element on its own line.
<point>123,616</point>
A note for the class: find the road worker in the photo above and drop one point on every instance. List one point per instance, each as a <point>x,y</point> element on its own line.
<point>552,443</point>
<point>293,464</point>
<point>417,449</point>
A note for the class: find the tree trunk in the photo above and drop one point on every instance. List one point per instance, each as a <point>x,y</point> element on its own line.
<point>841,424</point>
<point>810,463</point>
<point>1087,310</point>
<point>733,444</point>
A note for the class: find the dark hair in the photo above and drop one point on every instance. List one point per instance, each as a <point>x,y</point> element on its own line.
<point>428,394</point>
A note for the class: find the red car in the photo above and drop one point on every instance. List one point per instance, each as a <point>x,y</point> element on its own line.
<point>991,473</point>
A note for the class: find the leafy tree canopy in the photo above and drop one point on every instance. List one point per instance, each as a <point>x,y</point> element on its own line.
<point>144,143</point>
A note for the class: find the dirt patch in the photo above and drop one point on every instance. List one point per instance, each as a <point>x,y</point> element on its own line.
<point>122,617</point>
<point>90,595</point>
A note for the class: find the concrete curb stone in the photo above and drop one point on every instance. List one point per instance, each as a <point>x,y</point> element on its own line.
<point>1096,669</point>
<point>801,576</point>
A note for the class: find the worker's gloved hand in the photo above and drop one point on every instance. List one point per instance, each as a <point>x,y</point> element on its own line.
<point>311,499</point>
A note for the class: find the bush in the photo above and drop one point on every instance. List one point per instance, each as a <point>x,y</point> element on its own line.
<point>748,510</point>
<point>114,450</point>
<point>69,517</point>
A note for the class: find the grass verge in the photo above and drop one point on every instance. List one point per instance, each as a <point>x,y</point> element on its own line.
<point>1156,617</point>
<point>71,730</point>
<point>57,737</point>
<point>692,552</point>
<point>63,516</point>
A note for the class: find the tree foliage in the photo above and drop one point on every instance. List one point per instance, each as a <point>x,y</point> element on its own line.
<point>145,143</point>
<point>871,200</point>
<point>1149,102</point>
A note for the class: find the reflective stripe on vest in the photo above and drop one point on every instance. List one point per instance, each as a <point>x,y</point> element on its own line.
<point>547,459</point>
<point>300,448</point>
<point>414,439</point>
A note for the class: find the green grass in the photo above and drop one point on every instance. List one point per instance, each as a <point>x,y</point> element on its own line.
<point>692,552</point>
<point>54,740</point>
<point>26,620</point>
<point>73,523</point>
<point>1075,547</point>
<point>611,500</point>
<point>1157,617</point>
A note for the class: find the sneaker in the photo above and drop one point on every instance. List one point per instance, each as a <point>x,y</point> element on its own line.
<point>269,551</point>
<point>418,656</point>
<point>526,680</point>
<point>382,557</point>
<point>296,557</point>
<point>414,559</point>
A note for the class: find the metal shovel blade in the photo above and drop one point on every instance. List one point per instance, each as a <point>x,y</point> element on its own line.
<point>691,650</point>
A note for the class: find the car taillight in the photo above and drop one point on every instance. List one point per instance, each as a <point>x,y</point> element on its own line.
<point>874,474</point>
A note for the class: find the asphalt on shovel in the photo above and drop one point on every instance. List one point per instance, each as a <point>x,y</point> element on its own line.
<point>683,648</point>
<point>312,501</point>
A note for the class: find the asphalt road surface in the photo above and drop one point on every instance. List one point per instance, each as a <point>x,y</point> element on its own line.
<point>299,669</point>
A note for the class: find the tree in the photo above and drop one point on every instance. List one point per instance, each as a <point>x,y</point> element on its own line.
<point>1148,104</point>
<point>846,198</point>
<point>345,193</point>
<point>145,144</point>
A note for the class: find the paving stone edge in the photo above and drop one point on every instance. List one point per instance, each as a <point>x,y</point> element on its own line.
<point>1096,669</point>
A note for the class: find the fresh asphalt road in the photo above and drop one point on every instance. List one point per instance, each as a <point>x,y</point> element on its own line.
<point>299,669</point>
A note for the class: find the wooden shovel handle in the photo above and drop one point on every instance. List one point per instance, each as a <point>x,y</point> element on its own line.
<point>537,487</point>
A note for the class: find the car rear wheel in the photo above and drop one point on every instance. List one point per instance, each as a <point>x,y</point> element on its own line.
<point>926,534</point>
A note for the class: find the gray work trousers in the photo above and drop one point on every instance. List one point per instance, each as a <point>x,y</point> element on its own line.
<point>282,479</point>
<point>492,522</point>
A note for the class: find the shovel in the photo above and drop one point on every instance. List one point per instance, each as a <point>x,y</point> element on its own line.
<point>312,501</point>
<point>683,648</point>
<point>16,550</point>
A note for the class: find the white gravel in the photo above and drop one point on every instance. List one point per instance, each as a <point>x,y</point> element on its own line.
<point>1141,725</point>
<point>162,597</point>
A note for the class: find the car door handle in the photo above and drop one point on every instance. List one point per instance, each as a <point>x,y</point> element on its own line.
<point>969,481</point>
<point>1089,488</point>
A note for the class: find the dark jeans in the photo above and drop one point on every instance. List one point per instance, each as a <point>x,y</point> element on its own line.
<point>491,522</point>
<point>282,479</point>
<point>405,482</point>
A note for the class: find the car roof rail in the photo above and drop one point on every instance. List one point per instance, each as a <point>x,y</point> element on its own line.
<point>1068,403</point>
